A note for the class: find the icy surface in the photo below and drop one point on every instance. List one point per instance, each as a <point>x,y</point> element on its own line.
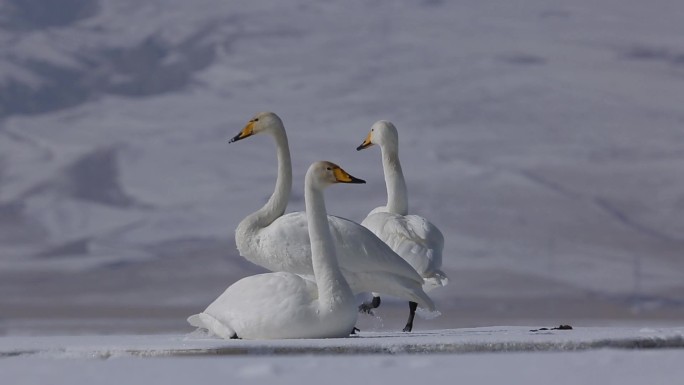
<point>606,367</point>
<point>469,340</point>
<point>580,356</point>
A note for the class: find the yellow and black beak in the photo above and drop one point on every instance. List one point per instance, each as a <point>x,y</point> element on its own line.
<point>366,143</point>
<point>246,132</point>
<point>342,176</point>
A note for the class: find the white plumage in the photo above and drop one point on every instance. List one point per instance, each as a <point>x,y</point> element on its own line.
<point>285,305</point>
<point>281,242</point>
<point>413,237</point>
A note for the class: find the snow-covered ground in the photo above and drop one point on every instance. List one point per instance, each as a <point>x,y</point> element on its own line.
<point>467,340</point>
<point>478,355</point>
<point>543,137</point>
<point>606,367</point>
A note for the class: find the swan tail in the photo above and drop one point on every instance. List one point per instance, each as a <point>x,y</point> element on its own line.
<point>434,280</point>
<point>195,321</point>
<point>382,283</point>
<point>415,293</point>
<point>214,326</point>
<point>424,301</point>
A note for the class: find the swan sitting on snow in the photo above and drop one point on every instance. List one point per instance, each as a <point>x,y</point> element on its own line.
<point>284,305</point>
<point>413,237</point>
<point>281,242</point>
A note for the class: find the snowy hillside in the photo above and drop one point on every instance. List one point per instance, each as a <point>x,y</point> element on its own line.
<point>545,139</point>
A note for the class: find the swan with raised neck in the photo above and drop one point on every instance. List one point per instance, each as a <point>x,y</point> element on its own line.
<point>267,123</point>
<point>413,237</point>
<point>385,134</point>
<point>285,305</point>
<point>282,243</point>
<point>331,283</point>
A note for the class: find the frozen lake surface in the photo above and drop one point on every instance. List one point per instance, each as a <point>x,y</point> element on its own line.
<point>467,340</point>
<point>489,355</point>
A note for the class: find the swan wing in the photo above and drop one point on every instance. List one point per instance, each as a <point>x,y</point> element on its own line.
<point>260,306</point>
<point>284,245</point>
<point>273,306</point>
<point>357,248</point>
<point>275,291</point>
<point>360,250</point>
<point>414,238</point>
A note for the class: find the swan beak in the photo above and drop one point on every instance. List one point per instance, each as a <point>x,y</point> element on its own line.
<point>366,143</point>
<point>342,176</point>
<point>246,132</point>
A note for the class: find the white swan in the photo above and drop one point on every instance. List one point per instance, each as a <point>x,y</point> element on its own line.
<point>285,305</point>
<point>413,237</point>
<point>281,242</point>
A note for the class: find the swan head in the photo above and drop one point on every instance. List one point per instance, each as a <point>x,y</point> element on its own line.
<point>382,133</point>
<point>323,174</point>
<point>267,122</point>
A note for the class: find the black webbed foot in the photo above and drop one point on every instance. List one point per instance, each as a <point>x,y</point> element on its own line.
<point>354,330</point>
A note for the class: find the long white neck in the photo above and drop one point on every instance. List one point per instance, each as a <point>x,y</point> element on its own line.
<point>277,203</point>
<point>332,287</point>
<point>397,195</point>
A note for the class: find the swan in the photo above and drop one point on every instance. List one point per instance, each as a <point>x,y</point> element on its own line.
<point>281,242</point>
<point>413,237</point>
<point>285,305</point>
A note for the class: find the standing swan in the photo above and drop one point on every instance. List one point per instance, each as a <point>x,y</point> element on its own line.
<point>284,305</point>
<point>413,237</point>
<point>281,242</point>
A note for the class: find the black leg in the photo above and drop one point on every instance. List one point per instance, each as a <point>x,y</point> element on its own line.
<point>234,337</point>
<point>412,313</point>
<point>367,307</point>
<point>354,330</point>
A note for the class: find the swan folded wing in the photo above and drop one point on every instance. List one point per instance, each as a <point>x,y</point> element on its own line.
<point>285,245</point>
<point>413,237</point>
<point>262,302</point>
<point>357,248</point>
<point>360,250</point>
<point>397,286</point>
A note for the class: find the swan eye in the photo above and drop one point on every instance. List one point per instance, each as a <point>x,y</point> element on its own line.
<point>329,168</point>
<point>256,119</point>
